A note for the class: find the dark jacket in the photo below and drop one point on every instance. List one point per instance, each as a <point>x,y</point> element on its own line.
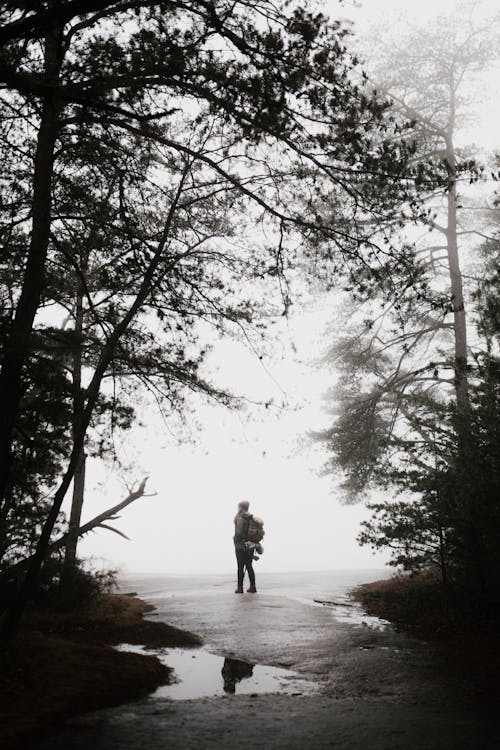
<point>241,524</point>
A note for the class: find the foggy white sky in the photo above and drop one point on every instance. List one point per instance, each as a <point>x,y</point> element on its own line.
<point>187,526</point>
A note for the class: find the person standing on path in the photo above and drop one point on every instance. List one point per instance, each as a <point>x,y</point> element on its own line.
<point>244,555</point>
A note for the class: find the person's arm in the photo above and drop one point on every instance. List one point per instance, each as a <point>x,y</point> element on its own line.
<point>240,529</point>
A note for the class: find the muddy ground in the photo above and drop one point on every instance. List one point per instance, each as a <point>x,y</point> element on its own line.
<point>369,686</point>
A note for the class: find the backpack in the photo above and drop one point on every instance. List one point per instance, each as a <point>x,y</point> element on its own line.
<point>255,531</point>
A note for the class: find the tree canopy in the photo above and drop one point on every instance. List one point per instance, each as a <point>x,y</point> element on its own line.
<point>164,164</point>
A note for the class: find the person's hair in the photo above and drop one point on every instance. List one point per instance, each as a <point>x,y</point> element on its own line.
<point>244,505</point>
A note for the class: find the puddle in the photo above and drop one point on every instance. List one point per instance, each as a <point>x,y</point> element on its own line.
<point>344,609</point>
<point>199,674</point>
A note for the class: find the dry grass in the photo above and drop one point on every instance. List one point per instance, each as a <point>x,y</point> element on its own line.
<point>423,605</point>
<point>62,665</point>
<point>109,620</point>
<point>416,603</point>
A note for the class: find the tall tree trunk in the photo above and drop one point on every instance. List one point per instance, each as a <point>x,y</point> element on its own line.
<point>457,299</point>
<point>457,294</point>
<point>75,518</point>
<point>18,344</point>
<point>78,407</point>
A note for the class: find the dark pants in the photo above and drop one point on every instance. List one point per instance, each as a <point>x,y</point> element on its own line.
<point>245,561</point>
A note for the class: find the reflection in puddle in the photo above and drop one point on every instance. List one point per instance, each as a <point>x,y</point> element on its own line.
<point>199,674</point>
<point>235,671</point>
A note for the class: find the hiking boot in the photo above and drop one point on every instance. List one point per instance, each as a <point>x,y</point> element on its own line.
<point>239,590</point>
<point>252,590</point>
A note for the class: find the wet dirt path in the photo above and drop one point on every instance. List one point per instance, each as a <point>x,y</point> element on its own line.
<point>369,686</point>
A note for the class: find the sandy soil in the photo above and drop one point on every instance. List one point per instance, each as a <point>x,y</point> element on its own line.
<point>376,688</point>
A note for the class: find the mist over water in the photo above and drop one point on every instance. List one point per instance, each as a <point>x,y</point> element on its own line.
<point>306,587</point>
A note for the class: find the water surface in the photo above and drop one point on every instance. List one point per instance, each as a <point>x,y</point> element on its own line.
<point>200,674</point>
